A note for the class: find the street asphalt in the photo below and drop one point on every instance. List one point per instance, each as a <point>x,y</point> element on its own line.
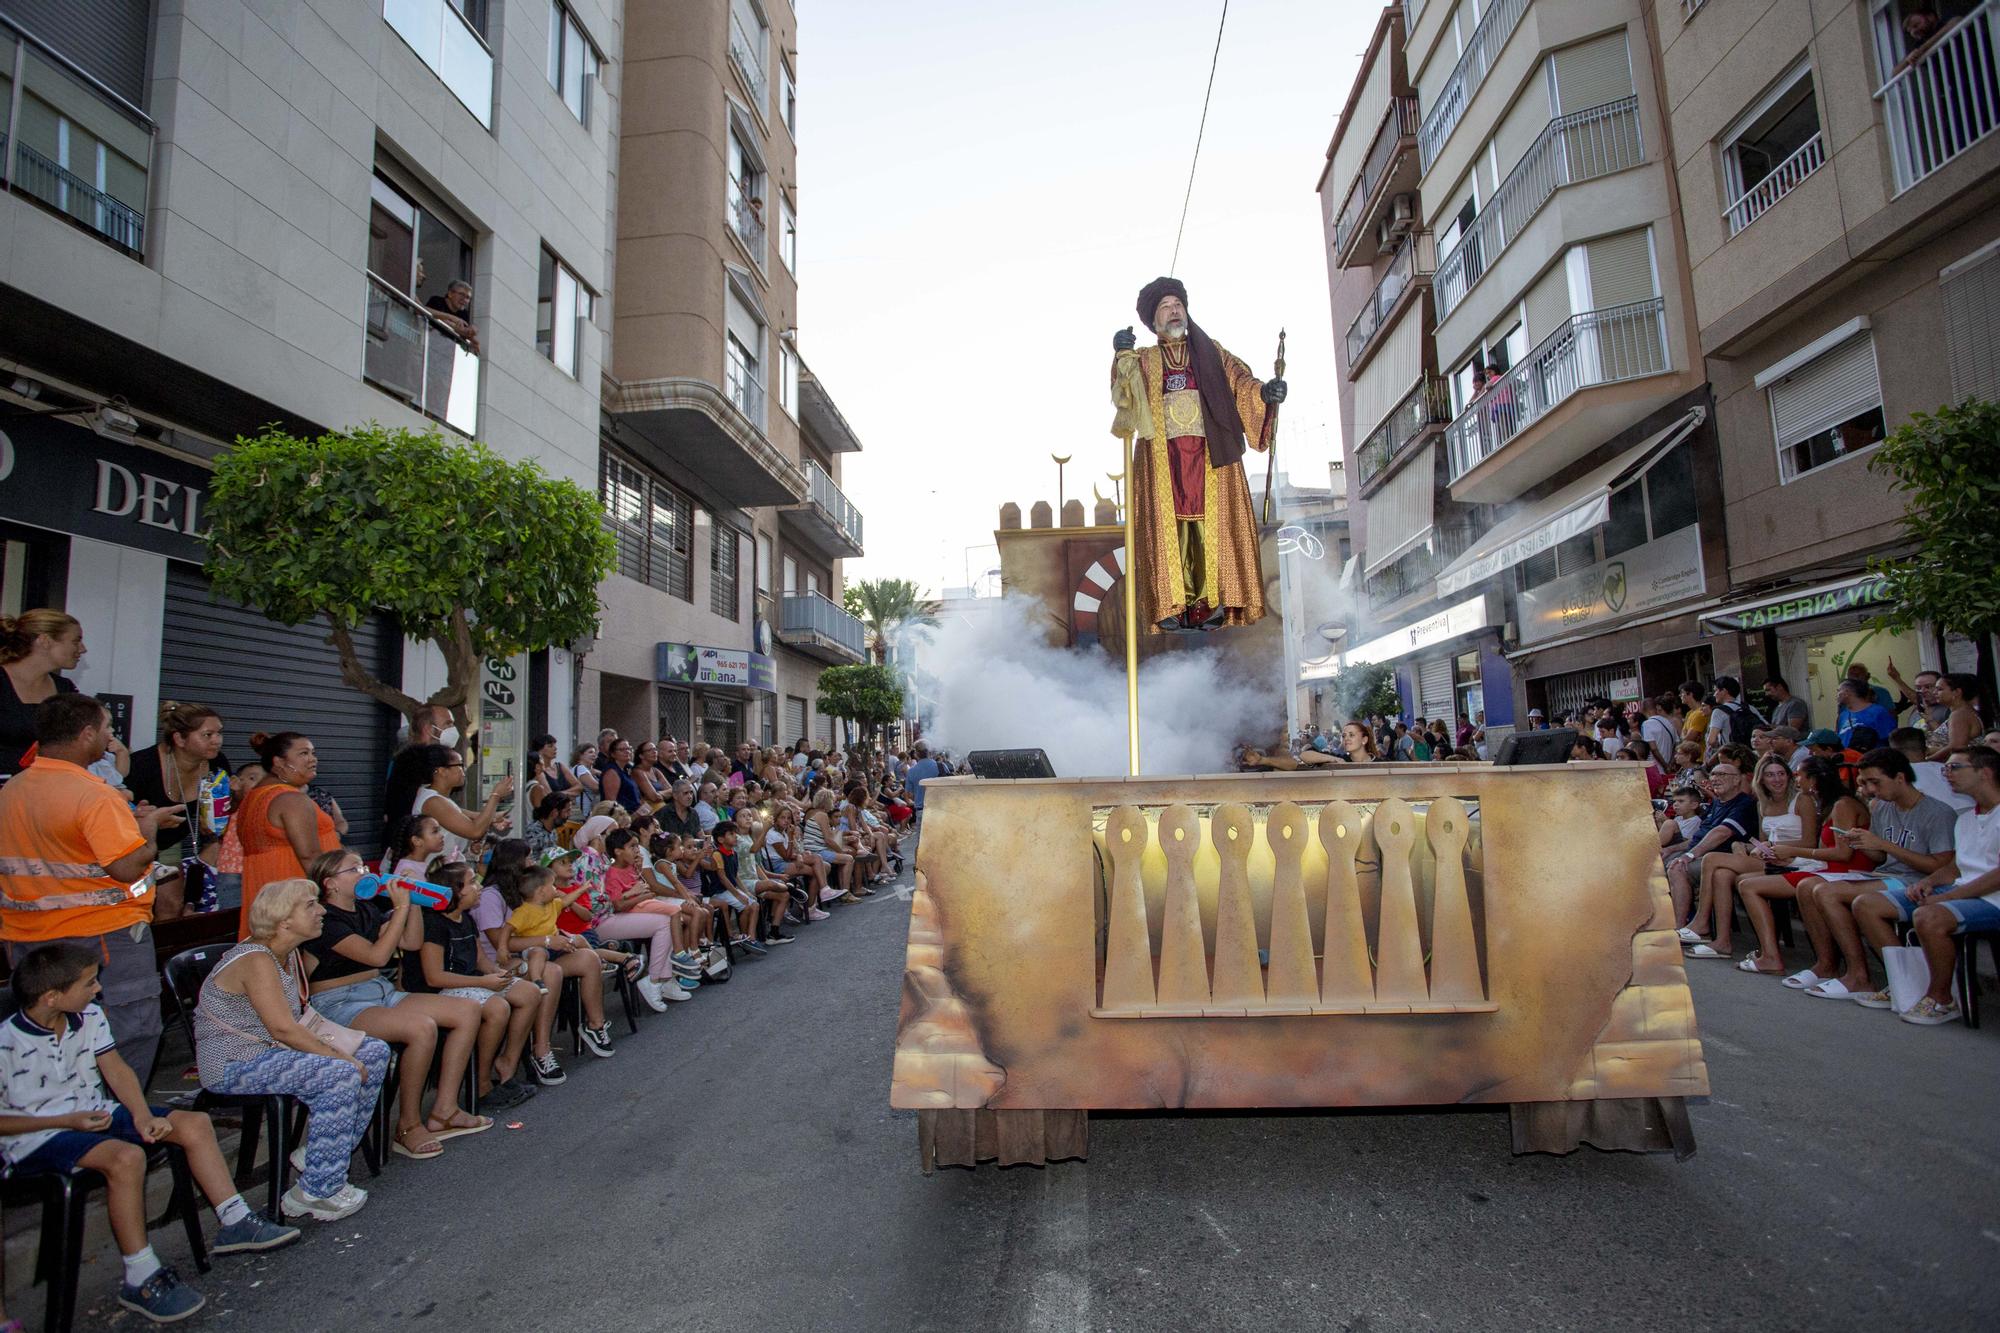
<point>736,1166</point>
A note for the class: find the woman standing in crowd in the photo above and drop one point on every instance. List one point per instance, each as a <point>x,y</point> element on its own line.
<point>174,770</point>
<point>281,829</point>
<point>422,781</point>
<point>1784,809</point>
<point>35,647</point>
<point>1959,692</point>
<point>548,775</point>
<point>345,962</point>
<point>615,778</point>
<point>249,1041</point>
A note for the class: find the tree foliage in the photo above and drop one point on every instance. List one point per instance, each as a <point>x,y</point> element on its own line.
<point>883,604</point>
<point>866,693</point>
<point>1944,463</point>
<point>1363,691</point>
<point>481,556</point>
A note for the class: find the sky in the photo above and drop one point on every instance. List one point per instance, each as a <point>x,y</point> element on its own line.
<point>983,190</point>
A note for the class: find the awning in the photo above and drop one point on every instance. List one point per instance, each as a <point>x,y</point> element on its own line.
<point>1570,512</point>
<point>1858,593</point>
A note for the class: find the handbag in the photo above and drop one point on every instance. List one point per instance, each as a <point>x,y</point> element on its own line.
<point>344,1040</point>
<point>1909,976</point>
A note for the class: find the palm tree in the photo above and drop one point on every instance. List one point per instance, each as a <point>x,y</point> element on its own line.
<point>883,604</point>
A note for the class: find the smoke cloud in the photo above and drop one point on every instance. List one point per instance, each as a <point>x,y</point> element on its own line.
<point>999,685</point>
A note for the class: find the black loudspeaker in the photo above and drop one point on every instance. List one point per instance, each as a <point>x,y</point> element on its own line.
<point>1536,747</point>
<point>1009,764</point>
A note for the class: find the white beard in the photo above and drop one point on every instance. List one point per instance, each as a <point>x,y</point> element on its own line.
<point>1173,333</point>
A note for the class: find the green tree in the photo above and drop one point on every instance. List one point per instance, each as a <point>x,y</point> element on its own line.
<point>1943,462</point>
<point>883,604</point>
<point>867,693</point>
<point>1365,691</point>
<point>481,556</point>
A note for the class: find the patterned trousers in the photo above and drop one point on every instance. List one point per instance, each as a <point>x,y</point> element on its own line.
<point>340,1102</point>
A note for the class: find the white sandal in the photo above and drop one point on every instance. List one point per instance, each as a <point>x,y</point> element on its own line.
<point>1703,950</point>
<point>1833,988</point>
<point>1803,979</point>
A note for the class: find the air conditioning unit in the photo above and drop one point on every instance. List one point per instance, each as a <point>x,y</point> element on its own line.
<point>1402,214</point>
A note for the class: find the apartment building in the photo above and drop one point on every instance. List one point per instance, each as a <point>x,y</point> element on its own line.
<point>1529,429</point>
<point>223,215</point>
<point>1838,170</point>
<point>719,448</point>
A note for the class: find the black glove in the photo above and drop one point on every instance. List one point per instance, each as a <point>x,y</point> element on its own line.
<point>1274,392</point>
<point>1124,340</point>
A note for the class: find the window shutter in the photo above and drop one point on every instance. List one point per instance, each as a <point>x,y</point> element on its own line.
<point>1592,73</point>
<point>795,718</point>
<point>1400,514</point>
<point>1548,304</point>
<point>1434,689</point>
<point>1971,328</point>
<point>1391,373</point>
<point>106,38</point>
<point>1621,270</point>
<point>1831,388</point>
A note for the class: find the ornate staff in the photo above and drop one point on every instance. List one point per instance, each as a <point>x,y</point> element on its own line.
<point>1268,437</point>
<point>1133,417</point>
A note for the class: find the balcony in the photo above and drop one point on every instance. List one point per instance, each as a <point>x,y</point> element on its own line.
<point>746,220</point>
<point>1750,205</point>
<point>71,145</point>
<point>813,624</point>
<point>1588,351</point>
<point>1407,275</point>
<point>1946,101</point>
<point>1488,40</point>
<point>828,518</point>
<point>1425,408</point>
<point>746,52</point>
<point>445,38</point>
<point>409,354</point>
<point>685,426</point>
<point>1576,147</point>
<point>1416,573</point>
<point>1386,172</point>
<point>822,419</point>
<point>746,392</point>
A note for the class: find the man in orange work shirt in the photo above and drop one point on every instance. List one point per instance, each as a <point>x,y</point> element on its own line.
<point>74,866</point>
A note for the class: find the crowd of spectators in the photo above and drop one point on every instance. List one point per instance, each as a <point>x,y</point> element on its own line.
<point>653,866</point>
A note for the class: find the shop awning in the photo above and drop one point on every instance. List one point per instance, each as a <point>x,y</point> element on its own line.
<point>1782,607</point>
<point>1570,512</point>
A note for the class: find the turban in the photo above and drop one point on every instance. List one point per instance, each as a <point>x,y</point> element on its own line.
<point>1156,291</point>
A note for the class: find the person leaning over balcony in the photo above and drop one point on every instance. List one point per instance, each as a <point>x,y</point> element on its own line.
<point>453,311</point>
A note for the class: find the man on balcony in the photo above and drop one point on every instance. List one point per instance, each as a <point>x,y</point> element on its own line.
<point>453,312</point>
<point>1193,527</point>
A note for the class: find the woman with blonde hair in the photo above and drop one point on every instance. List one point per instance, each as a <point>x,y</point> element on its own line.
<point>250,1040</point>
<point>1359,742</point>
<point>35,647</point>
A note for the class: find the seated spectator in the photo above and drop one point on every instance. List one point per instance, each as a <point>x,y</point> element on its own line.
<point>738,911</point>
<point>1784,810</point>
<point>679,817</point>
<point>1680,825</point>
<point>544,829</point>
<point>1732,814</point>
<point>1930,778</point>
<point>531,926</point>
<point>547,774</point>
<point>414,841</point>
<point>655,787</point>
<point>596,914</point>
<point>823,840</point>
<point>785,855</point>
<point>344,964</point>
<point>1791,866</point>
<point>773,894</point>
<point>448,964</point>
<point>1961,895</point>
<point>498,898</point>
<point>1826,744</point>
<point>1783,742</point>
<point>1688,769</point>
<point>628,888</point>
<point>707,796</point>
<point>249,1041</point>
<point>583,767</point>
<point>69,1102</point>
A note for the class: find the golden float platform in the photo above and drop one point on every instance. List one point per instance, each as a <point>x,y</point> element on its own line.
<point>1379,935</point>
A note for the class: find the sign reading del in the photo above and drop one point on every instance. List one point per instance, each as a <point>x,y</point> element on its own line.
<point>61,476</point>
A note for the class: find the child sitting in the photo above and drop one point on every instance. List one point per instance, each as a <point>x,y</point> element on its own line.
<point>1682,820</point>
<point>412,844</point>
<point>70,1101</point>
<point>531,927</point>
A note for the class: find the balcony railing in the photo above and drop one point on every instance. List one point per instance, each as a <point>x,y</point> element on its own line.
<point>746,51</point>
<point>745,390</point>
<point>1415,261</point>
<point>1417,570</point>
<point>1576,147</point>
<point>746,219</point>
<point>1946,101</point>
<point>445,39</point>
<point>801,613</point>
<point>833,501</point>
<point>1401,120</point>
<point>1594,348</point>
<point>52,93</point>
<point>412,356</point>
<point>1750,205</point>
<point>1427,405</point>
<point>1488,39</point>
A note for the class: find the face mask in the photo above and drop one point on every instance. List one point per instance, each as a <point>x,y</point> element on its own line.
<point>449,737</point>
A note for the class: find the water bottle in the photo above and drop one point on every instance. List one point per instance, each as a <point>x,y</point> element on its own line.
<point>215,803</point>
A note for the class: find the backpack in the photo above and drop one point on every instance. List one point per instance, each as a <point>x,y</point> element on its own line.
<point>1743,719</point>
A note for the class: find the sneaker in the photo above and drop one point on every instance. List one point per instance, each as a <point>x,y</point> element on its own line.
<point>819,915</point>
<point>1874,999</point>
<point>502,1096</point>
<point>597,1040</point>
<point>688,984</point>
<point>755,949</point>
<point>163,1297</point>
<point>545,1070</point>
<point>255,1232</point>
<point>676,993</point>
<point>299,1160</point>
<point>778,937</point>
<point>649,991</point>
<point>685,965</point>
<point>828,894</point>
<point>343,1201</point>
<point>1929,1013</point>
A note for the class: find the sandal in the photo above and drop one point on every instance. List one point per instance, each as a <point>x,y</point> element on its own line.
<point>1754,962</point>
<point>452,1131</point>
<point>1703,950</point>
<point>1802,979</point>
<point>427,1147</point>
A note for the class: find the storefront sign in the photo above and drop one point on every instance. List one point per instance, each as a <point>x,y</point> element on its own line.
<point>503,711</point>
<point>1464,618</point>
<point>693,664</point>
<point>1857,594</point>
<point>60,476</point>
<point>1647,577</point>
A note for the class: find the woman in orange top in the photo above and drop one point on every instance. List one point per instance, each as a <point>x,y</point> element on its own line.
<point>281,829</point>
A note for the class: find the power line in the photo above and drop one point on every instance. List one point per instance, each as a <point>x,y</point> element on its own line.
<point>1213,61</point>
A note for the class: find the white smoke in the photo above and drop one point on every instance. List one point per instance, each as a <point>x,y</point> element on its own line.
<point>996,683</point>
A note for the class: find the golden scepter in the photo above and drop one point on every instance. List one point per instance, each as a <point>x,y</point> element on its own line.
<point>1268,437</point>
<point>1132,418</point>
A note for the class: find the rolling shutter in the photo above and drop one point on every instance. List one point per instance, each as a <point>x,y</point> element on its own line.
<point>1834,387</point>
<point>1592,73</point>
<point>105,38</point>
<point>1521,126</point>
<point>1548,303</point>
<point>1621,270</point>
<point>263,676</point>
<point>1971,291</point>
<point>1434,690</point>
<point>795,719</point>
<point>1401,513</point>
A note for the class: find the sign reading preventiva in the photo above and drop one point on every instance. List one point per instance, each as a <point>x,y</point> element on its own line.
<point>1856,594</point>
<point>693,664</point>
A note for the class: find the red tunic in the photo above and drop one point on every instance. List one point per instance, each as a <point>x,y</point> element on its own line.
<point>1187,455</point>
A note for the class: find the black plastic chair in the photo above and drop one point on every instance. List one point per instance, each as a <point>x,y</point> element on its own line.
<point>569,1004</point>
<point>64,1200</point>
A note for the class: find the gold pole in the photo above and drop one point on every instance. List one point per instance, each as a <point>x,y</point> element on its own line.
<point>1131,628</point>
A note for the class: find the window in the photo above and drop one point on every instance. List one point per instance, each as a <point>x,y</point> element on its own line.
<point>1498,351</point>
<point>1773,147</point>
<point>763,564</point>
<point>654,525</point>
<point>1971,291</point>
<point>1579,552</point>
<point>788,95</point>
<point>743,355</point>
<point>450,37</point>
<point>1826,401</point>
<point>788,380</point>
<point>724,556</point>
<point>788,234</point>
<point>791,584</point>
<point>746,194</point>
<point>563,307</point>
<point>1659,501</point>
<point>812,583</point>
<point>573,61</point>
<point>410,248</point>
<point>420,338</point>
<point>749,39</point>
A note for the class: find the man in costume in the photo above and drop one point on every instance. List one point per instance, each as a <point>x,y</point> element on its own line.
<point>1193,529</point>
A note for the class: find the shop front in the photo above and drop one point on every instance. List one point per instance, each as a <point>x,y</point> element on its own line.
<point>712,695</point>
<point>1449,665</point>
